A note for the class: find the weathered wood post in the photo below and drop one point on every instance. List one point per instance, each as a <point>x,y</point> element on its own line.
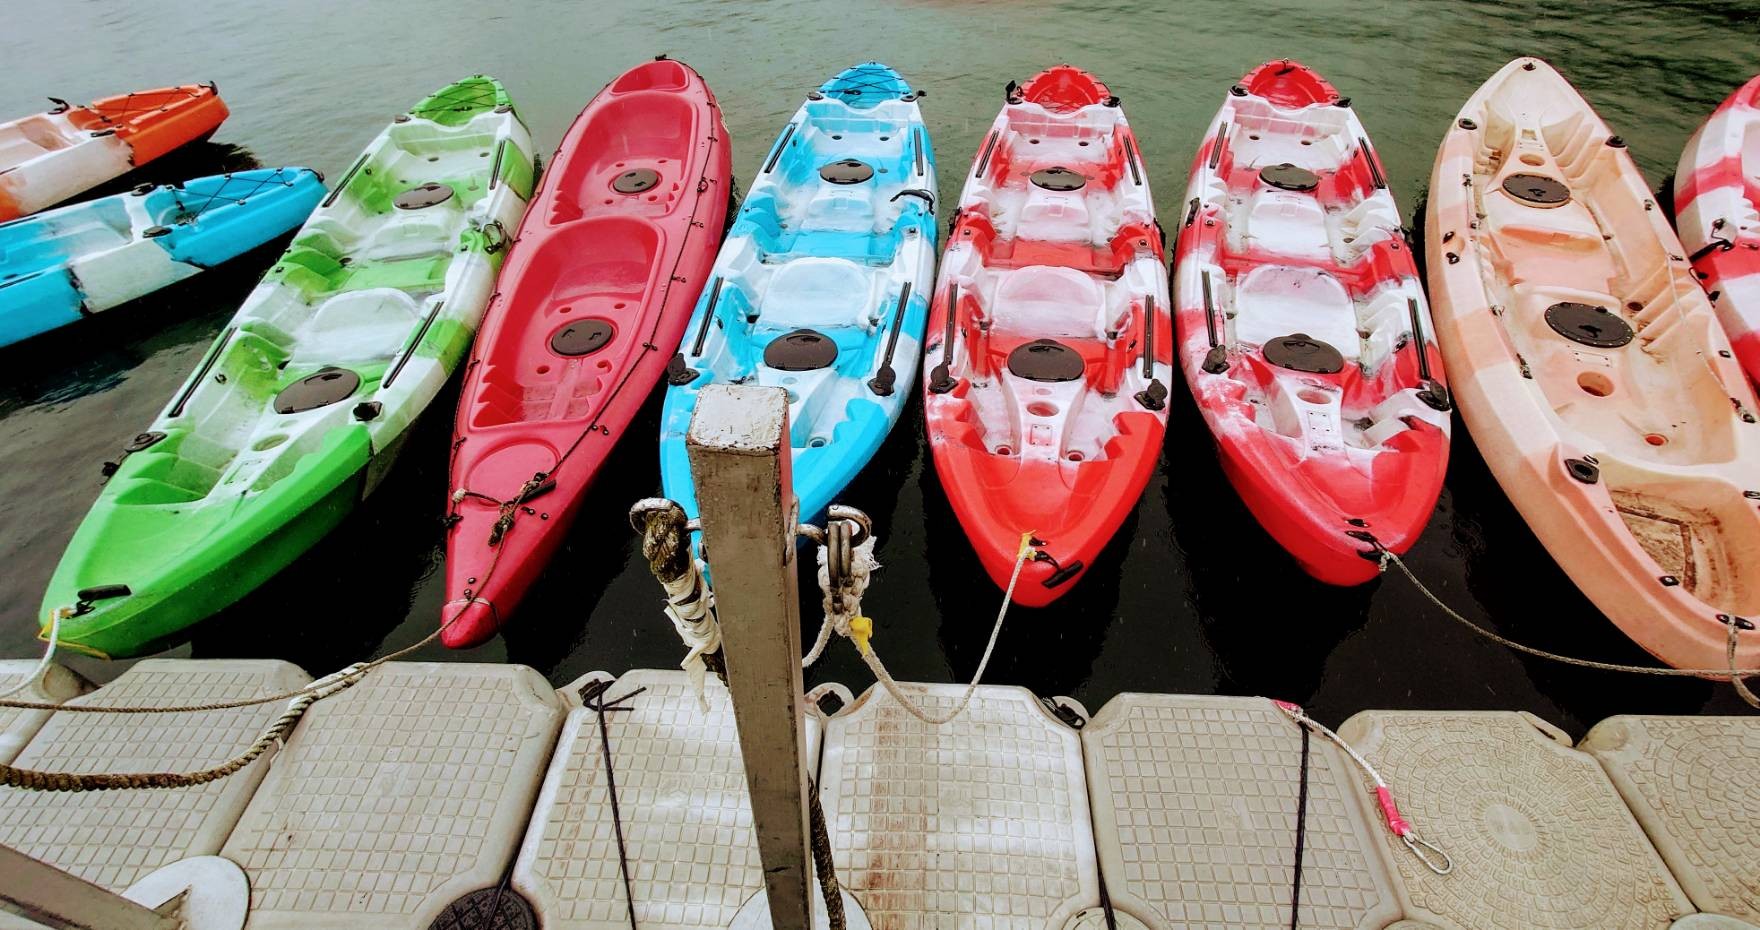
<point>739,454</point>
<point>43,893</point>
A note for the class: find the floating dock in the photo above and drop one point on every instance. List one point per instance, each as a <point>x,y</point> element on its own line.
<point>438,794</point>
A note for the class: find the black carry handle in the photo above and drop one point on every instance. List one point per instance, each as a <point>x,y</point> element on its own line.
<point>1153,397</point>
<point>1374,169</point>
<point>941,379</point>
<point>1215,360</point>
<point>928,197</point>
<point>884,379</point>
<point>1430,391</point>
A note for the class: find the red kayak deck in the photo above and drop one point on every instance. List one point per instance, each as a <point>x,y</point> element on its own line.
<point>1045,394</point>
<point>598,286</point>
<point>1303,329</point>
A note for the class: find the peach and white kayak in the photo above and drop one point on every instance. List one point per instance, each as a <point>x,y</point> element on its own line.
<point>1591,370</point>
<point>1717,210</point>
<point>48,157</point>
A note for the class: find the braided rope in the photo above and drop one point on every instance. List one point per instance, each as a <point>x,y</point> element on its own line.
<point>274,735</point>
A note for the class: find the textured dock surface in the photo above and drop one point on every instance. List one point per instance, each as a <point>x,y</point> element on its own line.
<point>113,838</point>
<point>397,796</point>
<point>425,783</point>
<point>986,815</point>
<point>18,726</point>
<point>1692,783</point>
<point>1195,810</point>
<point>1537,832</point>
<point>686,818</point>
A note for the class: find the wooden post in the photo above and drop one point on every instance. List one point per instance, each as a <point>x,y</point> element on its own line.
<point>739,453</point>
<point>43,893</point>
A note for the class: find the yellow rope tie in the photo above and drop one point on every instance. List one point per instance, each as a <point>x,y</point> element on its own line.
<point>891,685</point>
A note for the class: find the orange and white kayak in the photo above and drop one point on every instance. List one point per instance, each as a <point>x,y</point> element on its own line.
<point>48,157</point>
<point>1592,371</point>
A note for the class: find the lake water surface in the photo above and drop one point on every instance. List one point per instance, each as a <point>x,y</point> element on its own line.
<point>1192,597</point>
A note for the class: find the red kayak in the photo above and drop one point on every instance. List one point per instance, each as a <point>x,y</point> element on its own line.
<point>1303,329</point>
<point>597,288</point>
<point>1046,384</point>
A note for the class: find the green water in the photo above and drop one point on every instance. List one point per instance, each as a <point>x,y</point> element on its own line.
<point>1192,598</point>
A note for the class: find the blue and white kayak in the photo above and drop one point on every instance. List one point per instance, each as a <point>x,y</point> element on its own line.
<point>62,265</point>
<point>822,286</point>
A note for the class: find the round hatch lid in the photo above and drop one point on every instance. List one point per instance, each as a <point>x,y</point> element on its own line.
<point>846,171</point>
<point>581,337</point>
<point>1059,179</point>
<point>422,196</point>
<point>1302,352</point>
<point>319,389</point>
<point>1045,360</point>
<point>801,350</point>
<point>635,181</point>
<point>1289,177</point>
<point>1589,324</point>
<point>1537,189</point>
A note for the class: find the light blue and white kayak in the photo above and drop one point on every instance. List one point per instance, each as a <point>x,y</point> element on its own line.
<point>60,266</point>
<point>822,286</point>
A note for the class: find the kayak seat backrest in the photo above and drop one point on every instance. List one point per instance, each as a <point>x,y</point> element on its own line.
<point>1272,301</point>
<point>1560,245</point>
<point>817,293</point>
<point>357,326</point>
<point>431,231</point>
<point>30,137</point>
<point>1048,301</point>
<point>1280,222</point>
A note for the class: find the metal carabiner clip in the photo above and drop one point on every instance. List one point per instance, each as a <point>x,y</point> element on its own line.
<point>1418,846</point>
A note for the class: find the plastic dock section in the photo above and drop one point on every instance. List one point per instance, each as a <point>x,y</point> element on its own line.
<point>454,796</point>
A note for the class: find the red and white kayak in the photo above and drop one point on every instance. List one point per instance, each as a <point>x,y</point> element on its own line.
<point>1046,382</point>
<point>597,288</point>
<point>1717,211</point>
<point>48,157</point>
<point>1303,329</point>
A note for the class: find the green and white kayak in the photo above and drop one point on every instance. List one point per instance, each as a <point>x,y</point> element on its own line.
<point>296,411</point>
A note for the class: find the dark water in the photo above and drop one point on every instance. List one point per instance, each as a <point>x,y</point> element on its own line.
<point>1191,597</point>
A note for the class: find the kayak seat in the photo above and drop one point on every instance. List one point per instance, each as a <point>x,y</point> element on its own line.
<point>30,137</point>
<point>1274,301</point>
<point>408,235</point>
<point>1289,223</point>
<point>817,293</point>
<point>1048,301</point>
<point>357,326</point>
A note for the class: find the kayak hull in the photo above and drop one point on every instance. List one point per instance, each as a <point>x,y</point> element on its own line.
<point>822,283</point>
<point>593,297</point>
<point>1717,210</point>
<point>296,410</point>
<point>48,157</point>
<point>1045,378</point>
<point>60,266</point>
<point>1303,329</point>
<point>1628,449</point>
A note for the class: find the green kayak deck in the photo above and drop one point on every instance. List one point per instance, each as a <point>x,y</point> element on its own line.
<point>296,410</point>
